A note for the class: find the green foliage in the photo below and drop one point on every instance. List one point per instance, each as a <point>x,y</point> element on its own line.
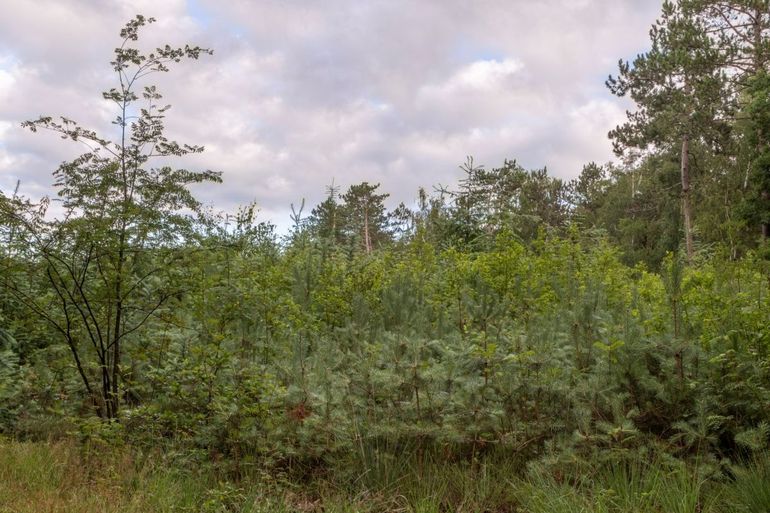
<point>518,342</point>
<point>9,380</point>
<point>107,260</point>
<point>757,208</point>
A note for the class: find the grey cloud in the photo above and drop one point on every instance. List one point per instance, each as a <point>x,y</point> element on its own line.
<point>300,92</point>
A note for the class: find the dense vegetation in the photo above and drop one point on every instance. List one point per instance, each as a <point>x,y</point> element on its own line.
<point>515,342</point>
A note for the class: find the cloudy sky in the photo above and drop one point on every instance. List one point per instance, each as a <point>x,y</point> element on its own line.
<point>300,92</point>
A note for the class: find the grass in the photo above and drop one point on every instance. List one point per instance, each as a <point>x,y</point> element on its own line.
<point>58,477</point>
<point>750,491</point>
<point>62,477</point>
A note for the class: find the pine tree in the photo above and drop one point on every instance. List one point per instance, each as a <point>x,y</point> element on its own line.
<point>679,89</point>
<point>327,218</point>
<point>741,29</point>
<point>365,215</point>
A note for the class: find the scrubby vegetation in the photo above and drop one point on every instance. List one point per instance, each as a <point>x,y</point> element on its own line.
<point>514,343</point>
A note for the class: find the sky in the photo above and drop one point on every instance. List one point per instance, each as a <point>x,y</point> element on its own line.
<point>300,93</point>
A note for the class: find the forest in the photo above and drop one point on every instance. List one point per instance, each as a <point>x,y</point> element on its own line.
<point>513,342</point>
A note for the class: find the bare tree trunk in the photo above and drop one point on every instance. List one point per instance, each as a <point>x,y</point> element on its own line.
<point>686,201</point>
<point>367,239</point>
<point>112,397</point>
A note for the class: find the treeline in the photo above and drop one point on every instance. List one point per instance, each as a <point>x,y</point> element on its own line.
<point>468,216</point>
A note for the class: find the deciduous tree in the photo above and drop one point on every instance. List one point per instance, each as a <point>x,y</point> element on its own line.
<point>123,224</point>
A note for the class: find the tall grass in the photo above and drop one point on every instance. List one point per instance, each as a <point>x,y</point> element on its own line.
<point>623,487</point>
<point>750,491</point>
<point>62,477</point>
<point>58,477</point>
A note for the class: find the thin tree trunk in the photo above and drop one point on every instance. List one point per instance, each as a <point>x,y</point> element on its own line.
<point>367,239</point>
<point>765,224</point>
<point>686,200</point>
<point>113,393</point>
<point>116,341</point>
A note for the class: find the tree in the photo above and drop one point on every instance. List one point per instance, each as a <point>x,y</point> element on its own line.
<point>588,192</point>
<point>508,197</point>
<point>365,215</point>
<point>741,30</point>
<point>641,209</point>
<point>123,225</point>
<point>758,137</point>
<point>326,218</point>
<point>679,89</point>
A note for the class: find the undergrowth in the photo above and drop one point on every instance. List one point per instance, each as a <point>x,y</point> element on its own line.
<point>68,477</point>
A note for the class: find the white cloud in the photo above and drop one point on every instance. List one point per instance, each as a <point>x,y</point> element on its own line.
<point>484,75</point>
<point>5,127</point>
<point>6,82</point>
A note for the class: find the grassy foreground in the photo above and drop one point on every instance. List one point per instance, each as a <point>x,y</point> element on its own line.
<point>62,477</point>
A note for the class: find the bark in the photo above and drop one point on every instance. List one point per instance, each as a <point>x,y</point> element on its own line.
<point>765,224</point>
<point>367,238</point>
<point>113,394</point>
<point>686,199</point>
